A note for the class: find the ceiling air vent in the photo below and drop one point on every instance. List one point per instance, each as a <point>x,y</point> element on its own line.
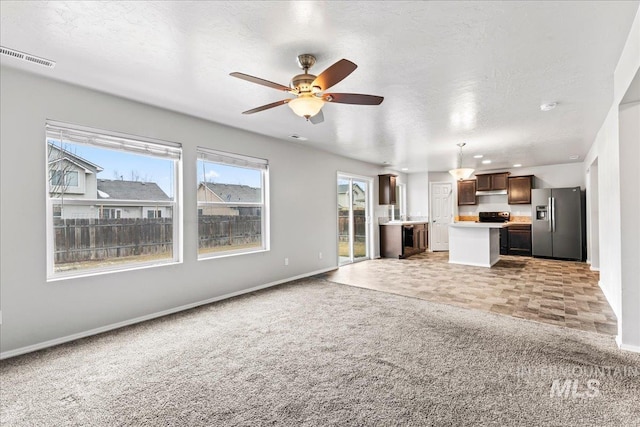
<point>26,57</point>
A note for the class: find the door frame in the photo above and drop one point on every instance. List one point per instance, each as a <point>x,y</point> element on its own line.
<point>593,216</point>
<point>368,223</point>
<point>431,208</point>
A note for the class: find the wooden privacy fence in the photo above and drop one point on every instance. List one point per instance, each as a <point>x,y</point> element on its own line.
<point>79,240</point>
<point>99,239</point>
<point>218,230</point>
<point>360,224</point>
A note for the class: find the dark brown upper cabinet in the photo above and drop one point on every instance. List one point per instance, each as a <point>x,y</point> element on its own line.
<point>492,181</point>
<point>520,190</point>
<point>467,192</point>
<point>387,189</point>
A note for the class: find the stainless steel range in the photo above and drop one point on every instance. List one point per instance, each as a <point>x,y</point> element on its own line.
<point>494,216</point>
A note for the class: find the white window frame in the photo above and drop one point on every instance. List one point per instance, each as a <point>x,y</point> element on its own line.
<point>119,141</point>
<point>401,201</point>
<point>239,160</point>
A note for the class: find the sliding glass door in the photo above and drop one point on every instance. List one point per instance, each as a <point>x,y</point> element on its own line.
<point>353,219</point>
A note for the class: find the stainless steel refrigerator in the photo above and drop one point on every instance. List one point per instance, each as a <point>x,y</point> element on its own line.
<point>558,223</point>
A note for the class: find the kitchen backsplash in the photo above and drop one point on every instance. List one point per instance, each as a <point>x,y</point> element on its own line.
<point>494,203</point>
<point>514,218</point>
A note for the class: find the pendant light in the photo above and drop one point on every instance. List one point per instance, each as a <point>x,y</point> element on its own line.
<point>461,173</point>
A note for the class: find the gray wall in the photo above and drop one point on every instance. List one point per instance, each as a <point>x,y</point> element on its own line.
<point>34,311</point>
<point>629,127</point>
<point>616,151</point>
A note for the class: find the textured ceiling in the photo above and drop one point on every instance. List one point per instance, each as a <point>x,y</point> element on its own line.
<point>449,71</point>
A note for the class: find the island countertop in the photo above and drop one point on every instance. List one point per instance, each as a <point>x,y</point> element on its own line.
<point>404,222</point>
<point>476,224</point>
<point>473,224</point>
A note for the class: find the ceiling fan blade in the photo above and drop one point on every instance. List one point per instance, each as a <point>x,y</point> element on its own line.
<point>260,81</point>
<point>266,107</point>
<point>334,74</point>
<point>318,118</point>
<point>353,98</point>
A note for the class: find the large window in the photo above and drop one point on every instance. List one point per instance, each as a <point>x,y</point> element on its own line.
<point>111,201</point>
<point>232,204</point>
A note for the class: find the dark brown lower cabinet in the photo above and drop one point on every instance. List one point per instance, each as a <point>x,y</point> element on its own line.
<point>402,241</point>
<point>519,239</point>
<point>504,241</point>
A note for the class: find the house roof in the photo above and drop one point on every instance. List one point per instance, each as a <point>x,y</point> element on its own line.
<point>342,188</point>
<point>235,192</point>
<point>69,156</point>
<point>130,190</point>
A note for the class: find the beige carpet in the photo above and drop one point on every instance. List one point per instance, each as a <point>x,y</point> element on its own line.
<point>317,353</point>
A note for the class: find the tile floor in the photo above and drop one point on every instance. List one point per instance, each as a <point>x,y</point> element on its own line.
<point>563,293</point>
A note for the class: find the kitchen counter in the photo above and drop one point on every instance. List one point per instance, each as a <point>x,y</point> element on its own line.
<point>487,224</point>
<point>473,224</point>
<point>404,222</point>
<point>510,223</point>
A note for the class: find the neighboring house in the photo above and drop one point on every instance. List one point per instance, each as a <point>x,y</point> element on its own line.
<point>72,177</point>
<point>228,193</point>
<point>129,194</point>
<point>359,197</point>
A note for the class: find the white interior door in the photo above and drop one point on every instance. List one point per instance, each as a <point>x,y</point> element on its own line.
<point>441,203</point>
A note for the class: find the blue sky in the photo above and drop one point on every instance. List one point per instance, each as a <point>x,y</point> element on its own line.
<point>119,164</point>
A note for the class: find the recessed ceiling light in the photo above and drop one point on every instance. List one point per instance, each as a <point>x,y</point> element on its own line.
<point>517,165</point>
<point>478,156</point>
<point>405,169</point>
<point>298,137</point>
<point>548,107</point>
<point>486,162</point>
<point>574,157</point>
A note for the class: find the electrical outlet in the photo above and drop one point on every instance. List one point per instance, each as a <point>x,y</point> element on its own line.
<point>320,255</point>
<point>286,261</point>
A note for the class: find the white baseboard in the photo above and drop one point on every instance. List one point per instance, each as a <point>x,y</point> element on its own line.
<point>627,347</point>
<point>95,331</point>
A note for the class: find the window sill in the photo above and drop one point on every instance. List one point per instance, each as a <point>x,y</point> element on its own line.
<point>227,254</point>
<point>57,277</point>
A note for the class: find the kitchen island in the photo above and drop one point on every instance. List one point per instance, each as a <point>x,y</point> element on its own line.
<point>474,243</point>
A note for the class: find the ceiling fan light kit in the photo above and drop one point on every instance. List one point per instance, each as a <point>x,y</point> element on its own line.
<point>461,173</point>
<point>308,89</point>
<point>306,106</point>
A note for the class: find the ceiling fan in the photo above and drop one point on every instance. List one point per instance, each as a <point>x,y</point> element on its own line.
<point>310,90</point>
